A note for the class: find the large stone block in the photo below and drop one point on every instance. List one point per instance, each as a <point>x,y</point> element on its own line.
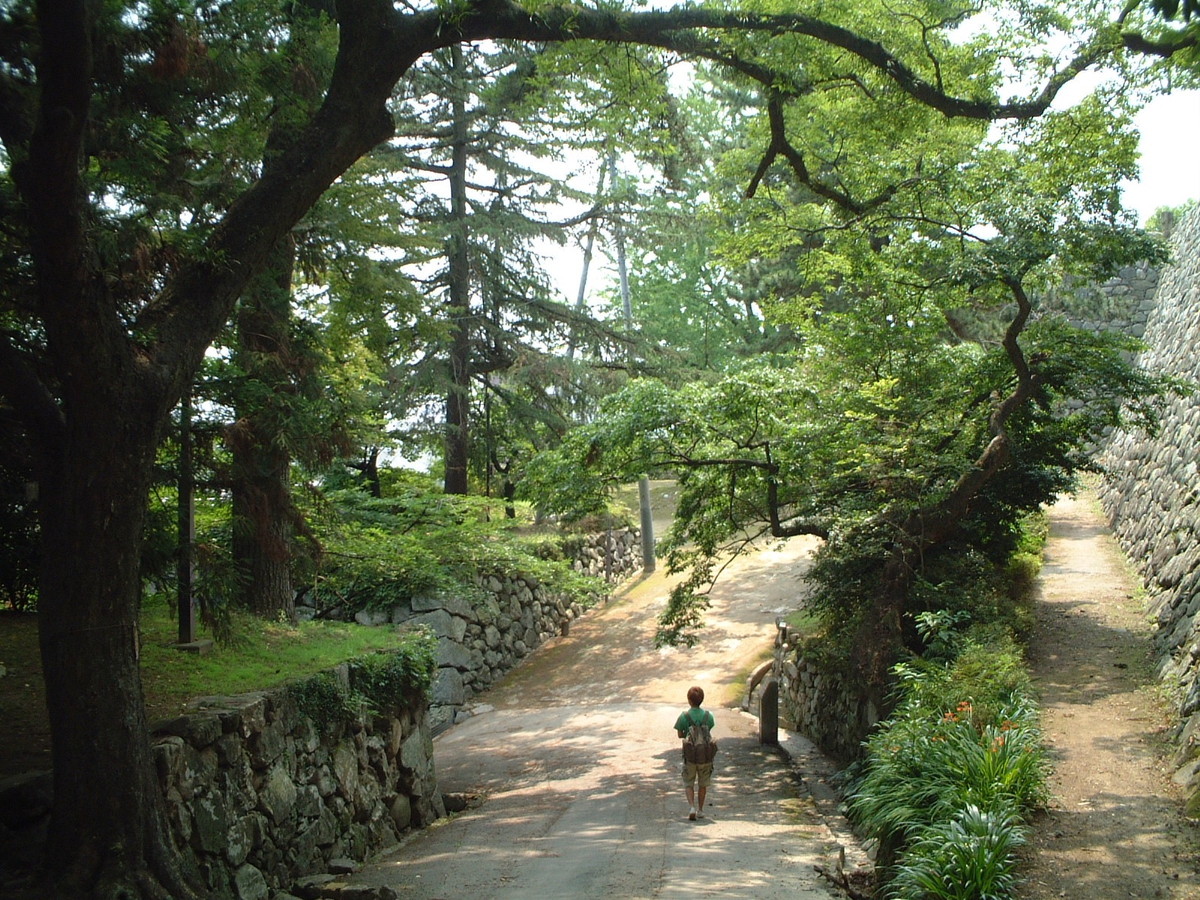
<point>492,636</point>
<point>168,759</point>
<point>250,884</point>
<point>268,745</point>
<point>451,603</point>
<point>438,620</point>
<point>277,795</point>
<point>244,714</point>
<point>372,618</point>
<point>400,810</point>
<point>198,730</point>
<point>308,801</point>
<point>452,653</point>
<point>242,834</point>
<point>345,769</point>
<point>210,822</point>
<point>448,687</point>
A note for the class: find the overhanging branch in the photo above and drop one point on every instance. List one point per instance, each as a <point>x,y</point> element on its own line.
<point>675,30</point>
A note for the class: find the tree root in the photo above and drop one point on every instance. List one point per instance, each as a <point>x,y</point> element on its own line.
<point>842,881</point>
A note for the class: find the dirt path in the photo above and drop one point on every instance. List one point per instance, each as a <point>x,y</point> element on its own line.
<point>1114,829</point>
<point>573,767</point>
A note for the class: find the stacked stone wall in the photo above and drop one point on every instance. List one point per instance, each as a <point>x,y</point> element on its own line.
<point>818,700</point>
<point>1151,493</point>
<point>260,794</point>
<point>481,638</point>
<point>612,555</point>
<point>1123,303</point>
<point>261,797</point>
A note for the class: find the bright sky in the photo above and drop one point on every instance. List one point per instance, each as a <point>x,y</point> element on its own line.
<point>1170,128</point>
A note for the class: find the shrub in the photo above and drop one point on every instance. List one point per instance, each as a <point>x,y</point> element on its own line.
<point>324,699</point>
<point>381,552</point>
<point>956,767</point>
<point>385,680</point>
<point>378,682</point>
<point>968,858</point>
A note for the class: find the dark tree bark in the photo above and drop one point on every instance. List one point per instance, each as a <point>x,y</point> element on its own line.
<point>370,470</point>
<point>98,428</point>
<point>108,834</point>
<point>458,306</point>
<point>263,512</point>
<point>265,518</point>
<point>880,638</point>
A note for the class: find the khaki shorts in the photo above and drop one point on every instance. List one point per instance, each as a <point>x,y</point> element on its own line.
<point>700,773</point>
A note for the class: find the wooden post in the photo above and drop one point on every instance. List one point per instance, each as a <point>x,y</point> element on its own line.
<point>185,568</point>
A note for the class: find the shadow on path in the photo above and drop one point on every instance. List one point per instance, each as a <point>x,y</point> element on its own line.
<point>572,768</point>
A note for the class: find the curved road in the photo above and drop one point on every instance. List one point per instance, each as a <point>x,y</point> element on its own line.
<point>571,766</point>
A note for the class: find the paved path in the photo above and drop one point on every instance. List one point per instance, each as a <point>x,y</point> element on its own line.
<point>571,764</point>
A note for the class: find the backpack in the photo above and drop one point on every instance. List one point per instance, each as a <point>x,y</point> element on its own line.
<point>699,746</point>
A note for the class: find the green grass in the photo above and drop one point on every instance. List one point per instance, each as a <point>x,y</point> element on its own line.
<point>264,655</point>
<point>736,690</point>
<point>805,622</point>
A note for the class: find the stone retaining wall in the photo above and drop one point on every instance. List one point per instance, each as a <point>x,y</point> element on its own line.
<point>816,700</point>
<point>481,640</point>
<point>261,794</point>
<point>1151,493</point>
<point>612,555</point>
<point>1124,303</point>
<point>483,637</point>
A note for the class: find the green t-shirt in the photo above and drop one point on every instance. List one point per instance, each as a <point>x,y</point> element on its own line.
<point>686,720</point>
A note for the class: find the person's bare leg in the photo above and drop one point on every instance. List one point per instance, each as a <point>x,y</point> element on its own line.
<point>703,793</point>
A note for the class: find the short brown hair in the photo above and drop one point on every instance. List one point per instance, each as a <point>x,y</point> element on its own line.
<point>695,695</point>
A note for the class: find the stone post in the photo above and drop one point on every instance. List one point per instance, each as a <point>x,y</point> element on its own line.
<point>768,713</point>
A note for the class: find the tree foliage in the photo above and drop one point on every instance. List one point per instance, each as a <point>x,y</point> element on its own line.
<point>931,406</point>
<point>139,206</point>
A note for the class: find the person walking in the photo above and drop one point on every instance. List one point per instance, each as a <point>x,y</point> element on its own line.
<point>695,726</point>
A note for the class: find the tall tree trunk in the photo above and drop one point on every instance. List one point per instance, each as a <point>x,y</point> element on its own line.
<point>264,515</point>
<point>458,397</point>
<point>262,504</point>
<point>646,515</point>
<point>589,246</point>
<point>97,421</point>
<point>185,568</point>
<point>370,470</point>
<point>109,836</point>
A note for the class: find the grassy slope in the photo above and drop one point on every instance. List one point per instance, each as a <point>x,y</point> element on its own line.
<point>265,655</point>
